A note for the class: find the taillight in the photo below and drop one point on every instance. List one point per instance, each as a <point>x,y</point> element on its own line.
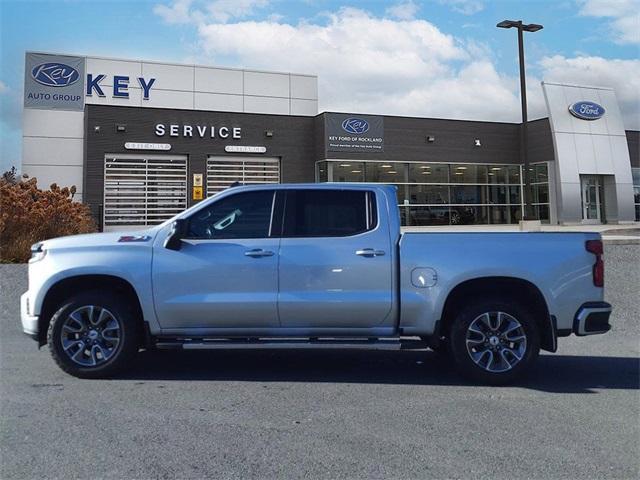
<point>596,247</point>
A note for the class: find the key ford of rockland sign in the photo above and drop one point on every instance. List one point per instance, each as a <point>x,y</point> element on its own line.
<point>57,82</point>
<point>346,133</point>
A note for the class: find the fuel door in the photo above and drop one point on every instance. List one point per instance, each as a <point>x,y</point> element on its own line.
<point>424,277</point>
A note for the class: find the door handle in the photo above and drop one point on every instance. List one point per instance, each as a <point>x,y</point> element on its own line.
<point>369,252</point>
<point>258,252</point>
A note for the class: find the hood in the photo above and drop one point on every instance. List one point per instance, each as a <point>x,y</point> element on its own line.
<point>90,240</point>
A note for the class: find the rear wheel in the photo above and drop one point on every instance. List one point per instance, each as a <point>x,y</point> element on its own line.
<point>93,335</point>
<point>494,341</point>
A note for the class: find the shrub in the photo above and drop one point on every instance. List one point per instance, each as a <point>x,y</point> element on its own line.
<point>29,215</point>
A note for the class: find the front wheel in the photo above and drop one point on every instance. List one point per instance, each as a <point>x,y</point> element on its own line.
<point>93,335</point>
<point>494,341</point>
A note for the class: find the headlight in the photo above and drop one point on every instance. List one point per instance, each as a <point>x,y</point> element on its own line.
<point>37,252</point>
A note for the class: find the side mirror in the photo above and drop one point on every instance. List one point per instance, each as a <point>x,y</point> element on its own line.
<point>177,233</point>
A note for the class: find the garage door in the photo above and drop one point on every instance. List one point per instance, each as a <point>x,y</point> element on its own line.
<point>142,190</point>
<point>224,171</point>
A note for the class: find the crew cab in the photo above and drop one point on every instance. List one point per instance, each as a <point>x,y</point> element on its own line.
<point>312,266</point>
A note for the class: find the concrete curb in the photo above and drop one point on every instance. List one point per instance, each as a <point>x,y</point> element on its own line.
<point>621,241</point>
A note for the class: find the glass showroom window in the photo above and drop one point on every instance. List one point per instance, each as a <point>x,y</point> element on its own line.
<point>440,193</point>
<point>636,191</point>
<point>540,191</point>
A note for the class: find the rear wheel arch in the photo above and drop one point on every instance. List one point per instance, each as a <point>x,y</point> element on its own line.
<point>63,289</point>
<point>506,289</point>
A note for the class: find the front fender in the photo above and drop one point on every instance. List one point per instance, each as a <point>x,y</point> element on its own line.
<point>130,263</point>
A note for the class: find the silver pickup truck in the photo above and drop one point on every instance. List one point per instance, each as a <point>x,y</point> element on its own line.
<point>312,266</point>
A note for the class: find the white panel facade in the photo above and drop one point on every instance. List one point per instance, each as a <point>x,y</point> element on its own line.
<point>266,105</point>
<point>303,107</point>
<point>170,99</point>
<point>613,119</point>
<point>589,147</point>
<point>565,145</point>
<point>52,123</point>
<point>52,151</point>
<point>218,80</point>
<point>602,152</point>
<point>205,88</point>
<point>266,84</point>
<point>111,68</point>
<point>585,154</point>
<point>304,86</point>
<point>134,99</point>
<point>170,77</point>
<point>218,102</point>
<point>620,150</point>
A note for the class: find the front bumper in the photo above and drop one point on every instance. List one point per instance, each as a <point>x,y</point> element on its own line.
<point>29,322</point>
<point>592,318</point>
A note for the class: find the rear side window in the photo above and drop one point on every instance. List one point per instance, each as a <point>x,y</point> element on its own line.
<point>328,213</point>
<point>245,215</point>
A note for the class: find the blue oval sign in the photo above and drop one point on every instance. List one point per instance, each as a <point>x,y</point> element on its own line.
<point>55,74</point>
<point>357,126</point>
<point>586,110</point>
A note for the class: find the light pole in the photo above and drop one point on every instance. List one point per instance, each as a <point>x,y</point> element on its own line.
<point>524,157</point>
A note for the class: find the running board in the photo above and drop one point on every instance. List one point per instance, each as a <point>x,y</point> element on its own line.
<point>290,343</point>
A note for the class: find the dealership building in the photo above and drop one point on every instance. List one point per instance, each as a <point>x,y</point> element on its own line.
<point>144,140</point>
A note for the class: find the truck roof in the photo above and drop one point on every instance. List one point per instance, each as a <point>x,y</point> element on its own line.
<point>319,186</point>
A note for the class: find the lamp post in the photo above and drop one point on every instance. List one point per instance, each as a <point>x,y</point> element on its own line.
<point>524,157</point>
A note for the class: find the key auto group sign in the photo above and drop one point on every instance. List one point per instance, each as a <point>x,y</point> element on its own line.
<point>54,82</point>
<point>59,82</point>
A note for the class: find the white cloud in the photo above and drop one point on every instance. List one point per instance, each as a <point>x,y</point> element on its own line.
<point>3,88</point>
<point>188,11</point>
<point>224,10</point>
<point>466,7</point>
<point>403,11</point>
<point>178,12</point>
<point>624,14</point>
<point>622,75</point>
<point>370,64</point>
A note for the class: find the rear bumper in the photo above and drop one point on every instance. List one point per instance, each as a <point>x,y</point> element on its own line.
<point>29,322</point>
<point>592,318</point>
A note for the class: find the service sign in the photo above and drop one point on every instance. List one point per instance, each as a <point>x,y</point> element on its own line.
<point>54,82</point>
<point>354,133</point>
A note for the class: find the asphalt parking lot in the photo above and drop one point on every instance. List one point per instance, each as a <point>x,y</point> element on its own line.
<point>331,414</point>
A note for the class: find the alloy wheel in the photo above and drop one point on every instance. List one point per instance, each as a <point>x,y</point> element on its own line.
<point>496,341</point>
<point>90,335</point>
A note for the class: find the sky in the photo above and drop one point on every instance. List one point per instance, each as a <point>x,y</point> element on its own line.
<point>427,58</point>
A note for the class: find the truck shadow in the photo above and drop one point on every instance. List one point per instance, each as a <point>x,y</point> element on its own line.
<point>552,373</point>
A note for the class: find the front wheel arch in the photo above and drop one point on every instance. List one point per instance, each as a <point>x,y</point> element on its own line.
<point>62,290</point>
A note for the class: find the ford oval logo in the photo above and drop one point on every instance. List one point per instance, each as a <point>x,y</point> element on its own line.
<point>586,110</point>
<point>55,74</point>
<point>357,126</point>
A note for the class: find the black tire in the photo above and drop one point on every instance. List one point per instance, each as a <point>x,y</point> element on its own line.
<point>120,355</point>
<point>462,355</point>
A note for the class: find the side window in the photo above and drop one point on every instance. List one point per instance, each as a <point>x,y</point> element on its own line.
<point>328,213</point>
<point>245,215</point>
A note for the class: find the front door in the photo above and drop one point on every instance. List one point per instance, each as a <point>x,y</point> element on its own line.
<point>226,272</point>
<point>335,261</point>
<point>591,199</point>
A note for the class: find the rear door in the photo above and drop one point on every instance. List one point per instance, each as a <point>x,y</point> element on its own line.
<point>335,260</point>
